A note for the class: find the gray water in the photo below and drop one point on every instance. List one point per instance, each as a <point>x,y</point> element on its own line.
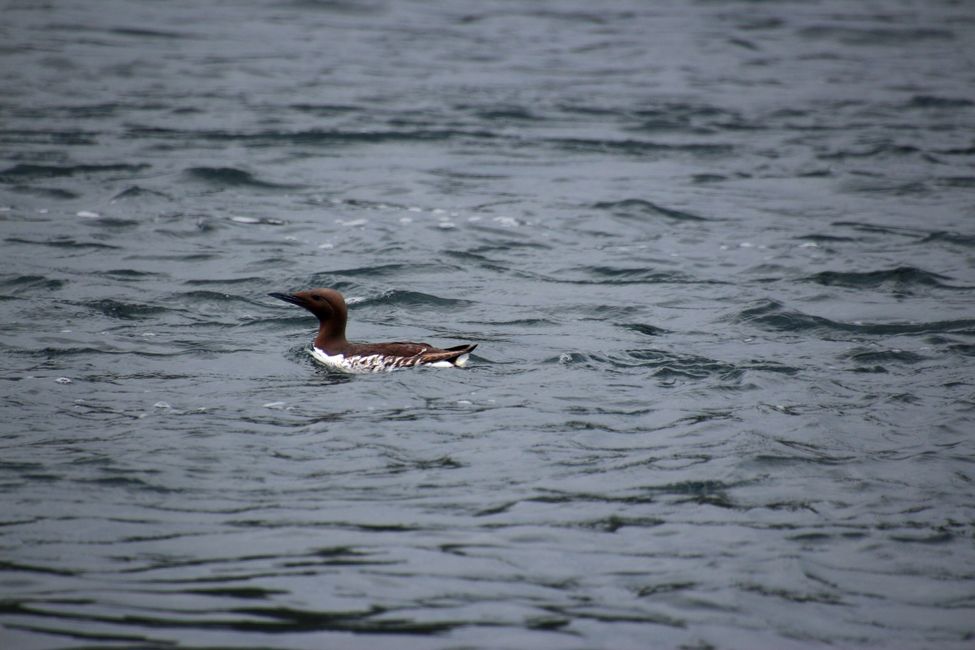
<point>717,256</point>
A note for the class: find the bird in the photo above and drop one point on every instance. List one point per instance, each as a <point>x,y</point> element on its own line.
<point>331,348</point>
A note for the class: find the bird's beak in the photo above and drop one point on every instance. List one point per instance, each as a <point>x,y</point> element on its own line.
<point>287,297</point>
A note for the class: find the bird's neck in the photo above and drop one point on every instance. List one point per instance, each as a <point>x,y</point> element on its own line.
<point>331,338</point>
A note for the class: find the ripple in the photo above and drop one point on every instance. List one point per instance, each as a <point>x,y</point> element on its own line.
<point>398,297</point>
<point>670,367</point>
<point>819,237</point>
<point>386,270</point>
<point>203,296</point>
<point>57,193</point>
<point>619,275</point>
<point>231,177</point>
<point>130,275</point>
<point>638,147</point>
<point>137,192</point>
<point>30,283</point>
<point>142,33</point>
<point>898,279</point>
<point>251,280</point>
<point>887,149</point>
<point>934,101</point>
<point>65,242</point>
<point>773,315</point>
<point>28,171</point>
<point>241,593</point>
<point>950,237</point>
<point>645,329</point>
<point>868,356</point>
<point>887,36</point>
<point>641,208</point>
<point>321,137</point>
<point>120,310</point>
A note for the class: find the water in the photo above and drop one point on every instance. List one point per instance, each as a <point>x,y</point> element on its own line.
<point>717,256</point>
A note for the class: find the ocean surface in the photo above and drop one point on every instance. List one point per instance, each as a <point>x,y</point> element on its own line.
<point>718,258</point>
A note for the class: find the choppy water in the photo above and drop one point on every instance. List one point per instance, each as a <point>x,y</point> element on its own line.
<point>718,258</point>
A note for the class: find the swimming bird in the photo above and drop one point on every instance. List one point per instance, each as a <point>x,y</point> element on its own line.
<point>333,350</point>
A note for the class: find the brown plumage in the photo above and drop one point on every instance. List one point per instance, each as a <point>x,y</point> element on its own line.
<point>328,306</point>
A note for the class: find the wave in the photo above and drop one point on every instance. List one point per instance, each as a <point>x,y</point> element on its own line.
<point>638,147</point>
<point>56,193</point>
<point>951,238</point>
<point>672,366</point>
<point>29,171</point>
<point>618,275</point>
<point>772,315</point>
<point>400,297</point>
<point>933,101</point>
<point>891,36</point>
<point>30,283</point>
<point>137,192</point>
<point>124,310</point>
<point>900,278</point>
<point>64,243</point>
<point>396,269</point>
<point>231,177</point>
<point>868,356</point>
<point>643,328</point>
<point>315,136</point>
<point>641,208</point>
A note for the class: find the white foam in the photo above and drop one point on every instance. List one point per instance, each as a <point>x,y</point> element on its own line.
<point>352,222</point>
